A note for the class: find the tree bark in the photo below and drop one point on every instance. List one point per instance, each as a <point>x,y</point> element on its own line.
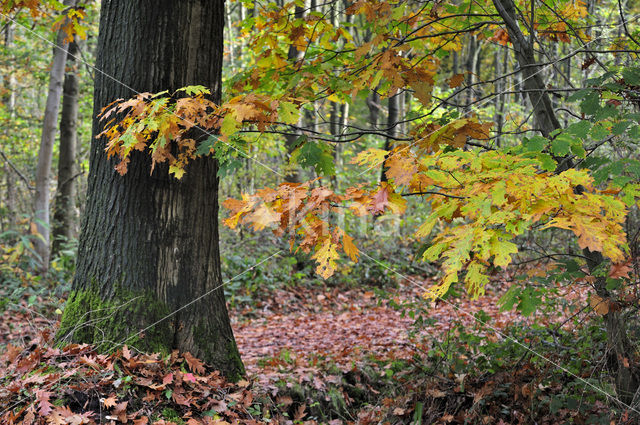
<point>148,249</point>
<point>45,154</point>
<point>65,214</point>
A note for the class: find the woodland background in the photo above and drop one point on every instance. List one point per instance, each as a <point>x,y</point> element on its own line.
<point>541,328</point>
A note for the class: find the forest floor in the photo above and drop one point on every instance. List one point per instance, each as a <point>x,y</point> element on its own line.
<point>304,343</point>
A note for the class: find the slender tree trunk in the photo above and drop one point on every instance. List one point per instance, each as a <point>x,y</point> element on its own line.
<point>620,347</point>
<point>9,100</point>
<point>65,213</point>
<point>148,269</point>
<point>45,154</point>
<point>294,55</point>
<point>392,127</point>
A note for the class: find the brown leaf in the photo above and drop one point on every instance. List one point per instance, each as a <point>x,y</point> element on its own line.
<point>456,80</point>
<point>194,364</point>
<point>300,412</point>
<point>620,270</point>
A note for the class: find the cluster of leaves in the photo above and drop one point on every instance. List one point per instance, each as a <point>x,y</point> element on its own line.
<point>172,127</point>
<point>71,21</point>
<point>75,385</point>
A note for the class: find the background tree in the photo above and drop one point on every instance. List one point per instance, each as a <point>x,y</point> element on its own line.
<point>149,243</point>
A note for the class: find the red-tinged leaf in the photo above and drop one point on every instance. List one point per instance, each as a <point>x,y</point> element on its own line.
<point>167,379</point>
<point>194,364</point>
<point>44,406</point>
<point>189,377</point>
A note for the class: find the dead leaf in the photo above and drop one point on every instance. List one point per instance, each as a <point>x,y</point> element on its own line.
<point>599,304</point>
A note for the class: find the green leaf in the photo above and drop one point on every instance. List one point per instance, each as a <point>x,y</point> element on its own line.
<point>547,162</point>
<point>560,146</point>
<point>579,129</point>
<point>631,76</point>
<point>313,154</point>
<point>598,132</point>
<point>620,127</point>
<point>508,300</point>
<point>204,148</point>
<point>535,144</point>
<point>529,301</point>
<point>590,104</point>
<point>578,150</point>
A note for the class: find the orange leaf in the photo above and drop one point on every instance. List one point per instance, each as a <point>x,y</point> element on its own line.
<point>110,402</point>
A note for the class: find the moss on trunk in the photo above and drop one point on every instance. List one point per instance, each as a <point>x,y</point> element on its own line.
<point>87,318</point>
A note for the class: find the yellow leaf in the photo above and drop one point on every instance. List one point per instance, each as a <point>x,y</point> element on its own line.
<point>326,258</point>
<point>370,157</point>
<point>177,172</point>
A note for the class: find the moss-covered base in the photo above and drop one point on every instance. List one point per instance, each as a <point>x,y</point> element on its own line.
<point>88,318</point>
<point>230,362</point>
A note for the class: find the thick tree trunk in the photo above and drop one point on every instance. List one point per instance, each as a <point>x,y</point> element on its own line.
<point>65,215</point>
<point>620,348</point>
<point>148,250</point>
<point>45,154</point>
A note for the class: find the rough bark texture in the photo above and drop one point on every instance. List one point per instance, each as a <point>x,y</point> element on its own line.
<point>45,154</point>
<point>620,348</point>
<point>65,214</point>
<point>149,243</point>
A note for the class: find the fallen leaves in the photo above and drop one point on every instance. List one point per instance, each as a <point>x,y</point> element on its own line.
<point>74,385</point>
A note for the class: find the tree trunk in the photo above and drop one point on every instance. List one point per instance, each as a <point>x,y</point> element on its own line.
<point>294,55</point>
<point>148,270</point>
<point>9,100</point>
<point>392,128</point>
<point>620,348</point>
<point>45,154</point>
<point>65,215</point>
